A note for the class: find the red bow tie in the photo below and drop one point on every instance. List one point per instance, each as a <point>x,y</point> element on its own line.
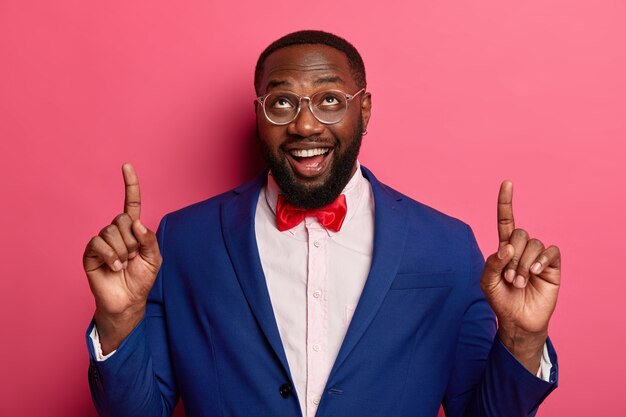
<point>330,216</point>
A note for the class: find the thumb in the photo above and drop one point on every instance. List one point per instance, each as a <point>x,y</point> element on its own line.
<point>495,264</point>
<point>148,245</point>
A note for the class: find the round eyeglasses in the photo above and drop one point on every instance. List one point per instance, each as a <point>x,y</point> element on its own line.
<point>329,106</point>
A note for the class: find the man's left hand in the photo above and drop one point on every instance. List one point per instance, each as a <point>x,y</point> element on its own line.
<point>521,282</point>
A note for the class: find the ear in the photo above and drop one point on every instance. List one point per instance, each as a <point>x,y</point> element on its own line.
<point>366,109</point>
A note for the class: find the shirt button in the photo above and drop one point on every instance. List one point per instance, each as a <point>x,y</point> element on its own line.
<point>316,347</point>
<point>317,293</point>
<point>317,244</point>
<point>284,390</point>
<point>316,401</point>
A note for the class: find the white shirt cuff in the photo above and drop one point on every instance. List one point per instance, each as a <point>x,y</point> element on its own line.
<point>95,340</point>
<point>545,366</point>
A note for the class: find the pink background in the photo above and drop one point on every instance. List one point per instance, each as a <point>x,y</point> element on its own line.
<point>465,94</point>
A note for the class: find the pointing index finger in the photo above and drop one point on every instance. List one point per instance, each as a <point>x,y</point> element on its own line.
<point>506,222</point>
<point>132,197</point>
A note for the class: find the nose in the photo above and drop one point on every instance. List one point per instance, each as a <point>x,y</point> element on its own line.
<point>305,124</point>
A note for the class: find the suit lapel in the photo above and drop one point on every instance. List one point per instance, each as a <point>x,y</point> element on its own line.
<point>390,233</point>
<point>237,215</point>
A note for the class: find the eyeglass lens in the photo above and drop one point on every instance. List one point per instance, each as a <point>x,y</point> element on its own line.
<point>327,106</point>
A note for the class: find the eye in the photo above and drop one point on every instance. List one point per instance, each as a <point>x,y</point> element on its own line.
<point>330,99</point>
<point>281,102</point>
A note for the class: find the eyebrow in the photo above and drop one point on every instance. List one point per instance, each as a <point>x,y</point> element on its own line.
<point>277,83</point>
<point>330,80</point>
<point>324,80</point>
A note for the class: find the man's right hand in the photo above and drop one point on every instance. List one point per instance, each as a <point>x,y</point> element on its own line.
<point>122,263</point>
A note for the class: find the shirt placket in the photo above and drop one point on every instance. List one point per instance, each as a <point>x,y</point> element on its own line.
<point>317,315</point>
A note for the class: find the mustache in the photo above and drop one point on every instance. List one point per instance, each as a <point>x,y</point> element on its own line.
<point>295,139</point>
<point>314,139</point>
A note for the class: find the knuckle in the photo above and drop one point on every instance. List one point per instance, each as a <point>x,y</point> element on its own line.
<point>132,246</point>
<point>553,254</point>
<point>91,245</point>
<point>521,233</point>
<point>536,243</point>
<point>109,255</point>
<point>122,251</point>
<point>108,231</point>
<point>121,219</point>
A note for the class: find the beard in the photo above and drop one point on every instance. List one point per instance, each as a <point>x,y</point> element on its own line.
<point>312,197</point>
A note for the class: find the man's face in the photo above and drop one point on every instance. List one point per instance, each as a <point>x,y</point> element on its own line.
<point>311,181</point>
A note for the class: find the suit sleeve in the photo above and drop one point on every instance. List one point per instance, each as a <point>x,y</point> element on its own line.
<point>137,380</point>
<point>487,380</point>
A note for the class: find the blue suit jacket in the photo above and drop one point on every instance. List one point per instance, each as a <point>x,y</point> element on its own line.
<point>422,333</point>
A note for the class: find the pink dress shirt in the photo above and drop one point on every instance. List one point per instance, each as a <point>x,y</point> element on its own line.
<point>315,277</point>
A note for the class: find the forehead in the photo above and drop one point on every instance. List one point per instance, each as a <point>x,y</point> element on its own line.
<point>306,66</point>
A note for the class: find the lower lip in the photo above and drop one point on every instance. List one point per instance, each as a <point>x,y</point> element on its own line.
<point>310,167</point>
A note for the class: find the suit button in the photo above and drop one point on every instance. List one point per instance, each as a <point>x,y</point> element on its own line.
<point>285,390</point>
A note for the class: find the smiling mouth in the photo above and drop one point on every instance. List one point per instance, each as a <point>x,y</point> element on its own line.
<point>309,163</point>
<point>307,153</point>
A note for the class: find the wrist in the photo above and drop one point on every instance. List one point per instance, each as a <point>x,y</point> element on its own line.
<point>114,328</point>
<point>527,347</point>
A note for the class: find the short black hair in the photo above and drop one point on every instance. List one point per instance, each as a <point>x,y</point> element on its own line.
<point>312,37</point>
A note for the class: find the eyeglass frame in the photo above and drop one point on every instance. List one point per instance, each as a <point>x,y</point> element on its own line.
<point>349,98</point>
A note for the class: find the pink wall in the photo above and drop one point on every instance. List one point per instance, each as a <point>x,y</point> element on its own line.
<point>465,94</point>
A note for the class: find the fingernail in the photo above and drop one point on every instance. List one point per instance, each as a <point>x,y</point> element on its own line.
<point>125,264</point>
<point>142,228</point>
<point>536,267</point>
<point>502,253</point>
<point>117,265</point>
<point>519,281</point>
<point>509,275</point>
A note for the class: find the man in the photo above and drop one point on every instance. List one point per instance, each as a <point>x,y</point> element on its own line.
<point>315,290</point>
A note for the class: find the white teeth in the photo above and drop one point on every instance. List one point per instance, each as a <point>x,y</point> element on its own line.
<point>305,153</point>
